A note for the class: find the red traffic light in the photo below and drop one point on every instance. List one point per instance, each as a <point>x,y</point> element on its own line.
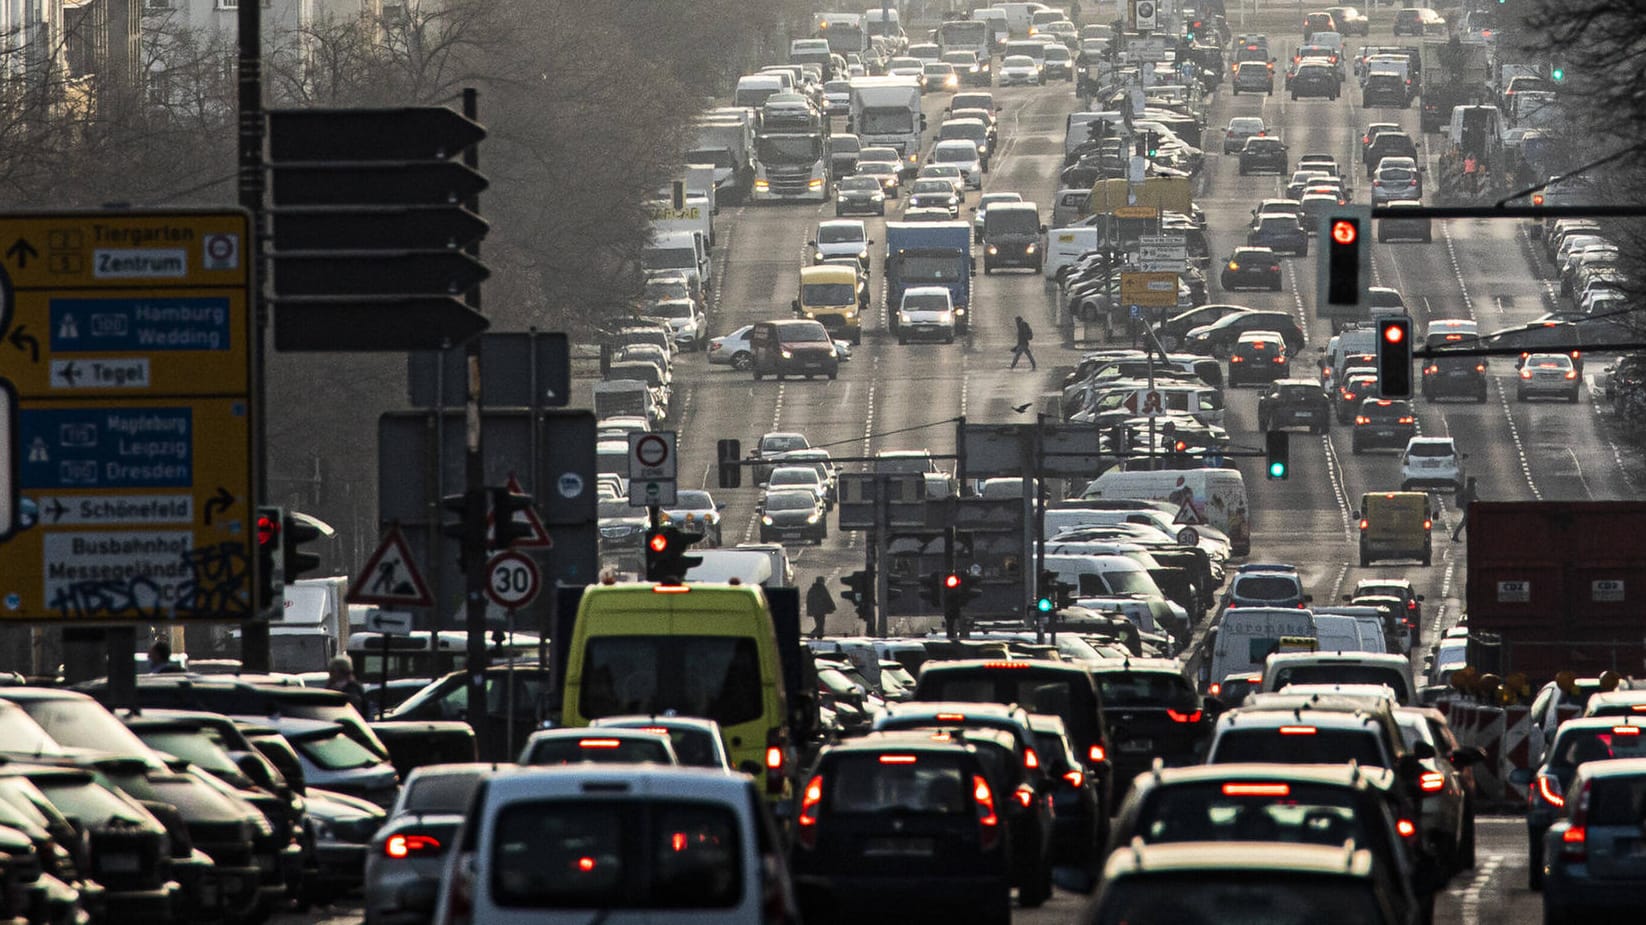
<point>951,580</point>
<point>268,530</point>
<point>659,542</point>
<point>1394,333</point>
<point>1344,231</point>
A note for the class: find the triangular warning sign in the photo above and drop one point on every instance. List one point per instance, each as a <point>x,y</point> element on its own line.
<point>391,578</point>
<point>1186,514</point>
<point>539,538</point>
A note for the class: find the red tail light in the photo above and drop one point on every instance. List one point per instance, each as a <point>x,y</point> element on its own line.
<point>1574,843</point>
<point>1364,523</point>
<point>1298,730</point>
<point>1406,828</point>
<point>1407,420</point>
<point>988,823</point>
<point>1427,525</point>
<point>774,758</point>
<point>807,820</point>
<point>1097,754</point>
<point>1431,782</point>
<point>406,845</point>
<point>1362,419</point>
<point>1030,759</point>
<point>1190,717</point>
<point>1215,689</point>
<point>1076,778</point>
<point>1571,374</point>
<point>1024,795</point>
<point>1548,789</point>
<point>1257,790</point>
<point>1525,373</point>
<point>1625,730</point>
<point>1280,359</point>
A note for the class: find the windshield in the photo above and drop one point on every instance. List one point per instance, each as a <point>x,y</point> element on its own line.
<point>611,510</point>
<point>860,183</point>
<point>790,475</point>
<point>334,752</point>
<point>926,302</point>
<point>1266,588</point>
<point>1128,582</point>
<point>783,444</point>
<point>671,308</point>
<point>77,723</point>
<point>718,157</point>
<point>203,747</point>
<point>1432,449</point>
<point>694,501</point>
<point>789,149</point>
<point>790,501</point>
<point>715,677</point>
<point>1017,61</point>
<point>840,234</point>
<point>1577,746</point>
<point>1299,744</point>
<point>828,294</point>
<point>617,854</point>
<point>667,289</point>
<point>887,121</point>
<point>1012,221</point>
<point>21,735</point>
<point>441,793</point>
<point>952,154</point>
<point>662,258</point>
<point>803,334</point>
<point>91,804</point>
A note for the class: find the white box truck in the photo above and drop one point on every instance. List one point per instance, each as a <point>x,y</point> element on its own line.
<point>886,111</point>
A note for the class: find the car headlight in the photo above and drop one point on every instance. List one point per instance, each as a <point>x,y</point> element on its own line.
<point>766,519</point>
<point>914,158</point>
<point>1028,249</point>
<point>972,69</point>
<point>878,197</point>
<point>815,183</point>
<point>863,255</point>
<point>812,518</point>
<point>761,185</point>
<point>960,311</point>
<point>786,354</point>
<point>993,250</point>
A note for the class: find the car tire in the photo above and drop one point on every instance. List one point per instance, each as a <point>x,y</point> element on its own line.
<point>1466,849</point>
<point>1355,447</point>
<point>1235,90</point>
<point>758,375</point>
<point>743,361</point>
<point>1275,288</point>
<point>833,374</point>
<point>1365,560</point>
<point>903,342</point>
<point>1294,97</point>
<point>1034,895</point>
<point>1572,398</point>
<point>1481,398</point>
<point>1428,559</point>
<point>1534,866</point>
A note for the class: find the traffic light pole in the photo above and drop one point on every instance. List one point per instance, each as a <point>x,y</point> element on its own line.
<point>474,484</point>
<point>254,633</point>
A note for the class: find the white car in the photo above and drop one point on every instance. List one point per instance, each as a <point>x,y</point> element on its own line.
<point>1019,71</point>
<point>950,172</point>
<point>841,237</point>
<point>961,153</point>
<point>926,311</point>
<point>1431,462</point>
<point>733,349</point>
<point>983,204</point>
<point>685,321</point>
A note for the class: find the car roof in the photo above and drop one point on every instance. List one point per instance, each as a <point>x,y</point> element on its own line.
<point>1613,767</point>
<point>643,780</point>
<point>1345,775</point>
<point>1387,659</point>
<point>1186,857</point>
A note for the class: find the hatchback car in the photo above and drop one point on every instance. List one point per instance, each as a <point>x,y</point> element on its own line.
<point>1383,423</point>
<point>1251,268</point>
<point>408,854</point>
<point>1258,356</point>
<point>1314,78</point>
<point>792,348</point>
<point>1576,742</point>
<point>1241,128</point>
<point>1431,462</point>
<point>962,154</point>
<point>926,312</point>
<point>1396,178</point>
<point>793,514</point>
<point>889,174</point>
<point>1592,855</point>
<point>1404,228</point>
<point>1254,77</point>
<point>1294,403</point>
<point>933,194</point>
<point>1280,231</point>
<point>856,195</point>
<point>1548,374</point>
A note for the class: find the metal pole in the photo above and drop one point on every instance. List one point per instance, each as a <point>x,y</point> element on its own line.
<point>1031,575</point>
<point>383,675</point>
<point>508,724</point>
<point>882,574</point>
<point>1040,510</point>
<point>254,633</point>
<point>474,483</point>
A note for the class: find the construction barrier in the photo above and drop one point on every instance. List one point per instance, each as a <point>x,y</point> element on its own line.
<point>1508,736</point>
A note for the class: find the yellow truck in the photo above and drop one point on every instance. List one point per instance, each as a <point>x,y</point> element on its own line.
<point>834,295</point>
<point>1395,525</point>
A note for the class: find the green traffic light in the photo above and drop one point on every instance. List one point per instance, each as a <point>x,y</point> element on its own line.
<point>1277,470</point>
<point>1044,605</point>
<point>1558,73</point>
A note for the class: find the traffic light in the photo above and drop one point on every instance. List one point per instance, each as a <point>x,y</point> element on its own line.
<point>296,529</point>
<point>1394,358</point>
<point>271,579</point>
<point>860,591</point>
<point>666,559</point>
<point>1557,73</point>
<point>506,528</point>
<point>932,589</point>
<point>1346,271</point>
<point>971,588</point>
<point>1279,453</point>
<point>469,530</point>
<point>730,454</point>
<point>1054,594</point>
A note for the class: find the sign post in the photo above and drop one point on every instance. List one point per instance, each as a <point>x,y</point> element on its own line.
<point>127,464</point>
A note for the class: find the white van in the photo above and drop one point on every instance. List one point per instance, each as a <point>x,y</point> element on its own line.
<point>529,822</point>
<point>1092,576</point>
<point>1337,633</point>
<point>1246,636</point>
<point>684,252</point>
<point>1216,497</point>
<point>752,90</point>
<point>747,566</point>
<point>1019,16</point>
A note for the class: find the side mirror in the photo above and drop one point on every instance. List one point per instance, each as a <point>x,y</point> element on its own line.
<point>812,243</point>
<point>1467,755</point>
<point>869,241</point>
<point>1308,598</point>
<point>1348,597</point>
<point>1355,514</point>
<point>1420,597</point>
<point>720,506</point>
<point>794,304</point>
<point>1409,766</point>
<point>258,769</point>
<point>1042,229</point>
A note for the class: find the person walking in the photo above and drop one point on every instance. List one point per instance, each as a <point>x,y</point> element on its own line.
<point>1024,335</point>
<point>1465,499</point>
<point>819,604</point>
<point>341,679</point>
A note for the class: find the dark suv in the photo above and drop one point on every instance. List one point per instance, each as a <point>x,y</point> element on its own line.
<point>1383,423</point>
<point>796,347</point>
<point>1294,403</point>
<point>1153,712</point>
<point>1061,689</point>
<point>1263,154</point>
<point>897,821</point>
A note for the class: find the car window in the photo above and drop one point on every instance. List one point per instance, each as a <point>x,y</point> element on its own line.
<point>1617,801</point>
<point>334,752</point>
<point>715,677</point>
<point>560,854</point>
<point>1252,811</point>
<point>1141,688</point>
<point>1431,449</point>
<point>1340,674</point>
<point>1266,588</point>
<point>442,793</point>
<point>1577,746</point>
<point>1299,744</point>
<point>1273,899</point>
<point>596,749</point>
<point>903,783</point>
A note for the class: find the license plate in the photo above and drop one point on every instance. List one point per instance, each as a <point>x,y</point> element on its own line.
<point>1137,745</point>
<point>898,847</point>
<point>120,863</point>
<point>1305,415</point>
<point>1384,432</point>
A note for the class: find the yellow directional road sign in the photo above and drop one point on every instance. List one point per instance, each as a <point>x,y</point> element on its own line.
<point>1149,290</point>
<point>126,398</point>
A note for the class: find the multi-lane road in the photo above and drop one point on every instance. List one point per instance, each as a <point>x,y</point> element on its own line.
<point>904,397</point>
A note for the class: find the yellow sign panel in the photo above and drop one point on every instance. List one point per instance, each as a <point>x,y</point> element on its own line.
<point>1136,212</point>
<point>1149,290</point>
<point>126,394</point>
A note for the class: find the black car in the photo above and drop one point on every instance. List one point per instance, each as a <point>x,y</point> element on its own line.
<point>1174,330</point>
<point>1280,231</point>
<point>895,822</point>
<point>1385,90</point>
<point>857,195</point>
<point>39,840</point>
<point>1080,801</point>
<point>1383,423</point>
<point>1251,268</point>
<point>1263,154</point>
<point>1061,689</point>
<point>1389,144</point>
<point>1315,80</point>
<point>793,514</point>
<point>1218,338</point>
<point>1153,712</point>
<point>1258,356</point>
<point>447,699</point>
<point>1294,403</point>
<point>1451,377</point>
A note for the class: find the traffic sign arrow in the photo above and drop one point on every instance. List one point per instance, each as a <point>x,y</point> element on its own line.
<point>343,228</point>
<point>365,273</point>
<point>407,133</point>
<point>381,183</point>
<point>366,324</point>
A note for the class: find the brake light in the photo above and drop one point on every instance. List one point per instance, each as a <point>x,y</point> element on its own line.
<point>1411,605</point>
<point>1297,730</point>
<point>1362,419</point>
<point>951,717</point>
<point>1076,778</point>
<point>1479,367</point>
<point>1525,373</point>
<point>1431,782</point>
<point>1237,359</point>
<point>988,823</point>
<point>1190,717</point>
<point>1025,795</point>
<point>1030,759</point>
<point>1406,828</point>
<point>897,759</point>
<point>1625,730</point>
<point>1097,754</point>
<point>1407,420</point>
<point>1574,843</point>
<point>1257,790</point>
<point>993,665</point>
<point>671,589</point>
<point>807,820</point>
<point>598,743</point>
<point>404,846</point>
<point>1364,523</point>
<point>1549,790</point>
<point>1571,374</point>
<point>1280,359</point>
<point>1427,525</point>
<point>774,758</point>
<point>1216,689</point>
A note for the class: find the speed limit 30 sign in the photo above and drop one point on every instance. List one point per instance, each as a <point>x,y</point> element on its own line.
<point>512,580</point>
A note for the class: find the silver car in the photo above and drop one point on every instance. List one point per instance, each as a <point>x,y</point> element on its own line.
<point>408,854</point>
<point>1548,374</point>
